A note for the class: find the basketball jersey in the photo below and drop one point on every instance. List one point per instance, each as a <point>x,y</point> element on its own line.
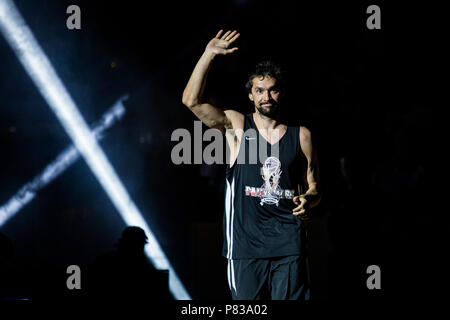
<point>258,220</point>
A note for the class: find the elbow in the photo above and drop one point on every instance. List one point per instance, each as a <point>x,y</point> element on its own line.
<point>188,101</point>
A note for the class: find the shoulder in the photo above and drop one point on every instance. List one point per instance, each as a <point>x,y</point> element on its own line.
<point>306,144</point>
<point>305,135</point>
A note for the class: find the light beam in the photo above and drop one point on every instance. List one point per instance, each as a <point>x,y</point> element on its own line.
<point>42,73</point>
<point>53,170</point>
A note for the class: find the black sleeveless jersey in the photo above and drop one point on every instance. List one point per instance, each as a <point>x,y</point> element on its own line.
<point>258,220</point>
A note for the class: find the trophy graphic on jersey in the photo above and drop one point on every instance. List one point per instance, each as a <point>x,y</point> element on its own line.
<point>271,172</point>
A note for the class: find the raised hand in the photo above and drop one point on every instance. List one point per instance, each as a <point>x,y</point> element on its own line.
<point>220,43</point>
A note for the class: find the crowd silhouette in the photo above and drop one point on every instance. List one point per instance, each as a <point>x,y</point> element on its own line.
<point>122,275</point>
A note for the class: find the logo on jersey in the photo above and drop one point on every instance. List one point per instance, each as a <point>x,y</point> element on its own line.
<point>270,192</point>
<point>258,192</point>
<point>271,172</point>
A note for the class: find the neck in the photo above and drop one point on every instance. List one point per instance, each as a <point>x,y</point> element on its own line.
<point>264,122</point>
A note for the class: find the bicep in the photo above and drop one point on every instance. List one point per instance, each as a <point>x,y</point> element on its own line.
<point>211,116</point>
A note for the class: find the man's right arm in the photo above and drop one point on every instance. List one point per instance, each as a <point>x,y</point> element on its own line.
<point>210,115</point>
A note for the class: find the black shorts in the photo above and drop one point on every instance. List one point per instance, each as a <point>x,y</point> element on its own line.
<point>281,278</point>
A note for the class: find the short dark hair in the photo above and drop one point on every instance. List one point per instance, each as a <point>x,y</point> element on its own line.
<point>266,68</point>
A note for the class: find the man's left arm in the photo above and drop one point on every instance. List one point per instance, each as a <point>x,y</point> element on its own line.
<point>311,197</point>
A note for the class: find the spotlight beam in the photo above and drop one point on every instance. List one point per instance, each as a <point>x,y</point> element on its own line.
<point>62,162</point>
<point>42,73</point>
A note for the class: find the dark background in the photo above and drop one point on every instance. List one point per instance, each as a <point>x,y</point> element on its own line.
<point>366,95</point>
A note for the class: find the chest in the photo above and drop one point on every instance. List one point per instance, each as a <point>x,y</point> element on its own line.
<point>259,158</point>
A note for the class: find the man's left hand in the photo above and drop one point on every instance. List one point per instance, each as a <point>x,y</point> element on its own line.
<point>302,210</point>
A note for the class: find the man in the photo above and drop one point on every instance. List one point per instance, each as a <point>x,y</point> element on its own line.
<point>264,235</point>
<point>125,274</point>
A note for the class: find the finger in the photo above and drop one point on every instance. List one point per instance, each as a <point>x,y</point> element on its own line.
<point>298,209</point>
<point>225,35</point>
<point>231,50</point>
<point>231,35</point>
<point>296,200</point>
<point>219,33</point>
<point>234,38</point>
<point>299,213</point>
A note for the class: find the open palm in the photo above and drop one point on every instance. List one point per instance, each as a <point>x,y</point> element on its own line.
<point>220,43</point>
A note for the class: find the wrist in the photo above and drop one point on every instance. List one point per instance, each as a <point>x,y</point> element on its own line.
<point>209,55</point>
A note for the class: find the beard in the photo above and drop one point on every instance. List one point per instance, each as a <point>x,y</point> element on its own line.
<point>272,111</point>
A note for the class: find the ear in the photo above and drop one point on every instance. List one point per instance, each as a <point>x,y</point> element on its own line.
<point>250,96</point>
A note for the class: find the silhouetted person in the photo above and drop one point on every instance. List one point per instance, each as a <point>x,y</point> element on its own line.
<point>126,274</point>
